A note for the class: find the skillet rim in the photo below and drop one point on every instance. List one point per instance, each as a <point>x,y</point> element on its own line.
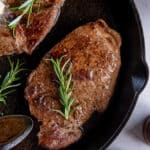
<point>145,81</point>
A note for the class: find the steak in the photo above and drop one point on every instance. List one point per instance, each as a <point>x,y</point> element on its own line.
<point>26,39</point>
<point>94,50</point>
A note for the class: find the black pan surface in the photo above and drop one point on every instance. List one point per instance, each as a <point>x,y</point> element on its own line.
<point>101,129</point>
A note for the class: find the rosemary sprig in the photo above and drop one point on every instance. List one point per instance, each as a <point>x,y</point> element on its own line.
<point>65,88</point>
<point>26,8</point>
<point>9,82</point>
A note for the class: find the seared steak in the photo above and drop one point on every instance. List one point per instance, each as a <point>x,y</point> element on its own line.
<point>94,50</point>
<point>27,38</point>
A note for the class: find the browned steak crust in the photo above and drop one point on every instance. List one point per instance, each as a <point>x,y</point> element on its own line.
<point>94,50</point>
<point>27,39</point>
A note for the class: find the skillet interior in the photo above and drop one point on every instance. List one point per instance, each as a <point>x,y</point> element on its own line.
<point>122,16</point>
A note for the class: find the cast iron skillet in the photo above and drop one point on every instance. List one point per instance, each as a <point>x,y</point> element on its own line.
<point>121,15</point>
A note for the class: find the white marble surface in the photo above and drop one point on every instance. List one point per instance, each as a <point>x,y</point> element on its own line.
<point>131,137</point>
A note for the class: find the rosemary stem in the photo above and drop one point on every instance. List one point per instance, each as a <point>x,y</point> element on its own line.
<point>66,113</point>
<point>65,89</point>
<point>9,81</point>
<point>25,8</point>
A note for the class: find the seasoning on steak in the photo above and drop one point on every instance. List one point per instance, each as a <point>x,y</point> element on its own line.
<point>94,50</point>
<point>27,39</point>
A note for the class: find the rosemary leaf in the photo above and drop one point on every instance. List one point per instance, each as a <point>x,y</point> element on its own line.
<point>3,101</point>
<point>58,111</point>
<point>13,23</point>
<point>25,4</point>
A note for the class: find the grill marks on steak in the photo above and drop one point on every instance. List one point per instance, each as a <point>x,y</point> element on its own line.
<point>94,50</point>
<point>27,39</point>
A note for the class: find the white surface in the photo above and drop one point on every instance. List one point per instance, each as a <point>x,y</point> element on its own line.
<point>131,137</point>
<point>2,6</point>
